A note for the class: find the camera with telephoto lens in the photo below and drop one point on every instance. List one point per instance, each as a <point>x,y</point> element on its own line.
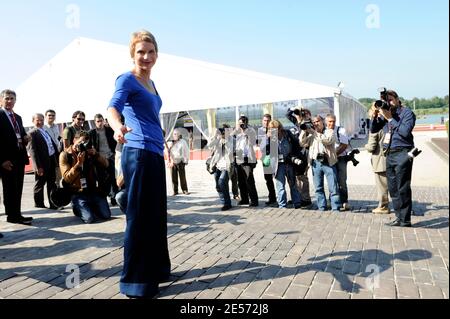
<point>83,147</point>
<point>303,113</point>
<point>351,157</point>
<point>305,125</point>
<point>382,104</point>
<point>299,112</point>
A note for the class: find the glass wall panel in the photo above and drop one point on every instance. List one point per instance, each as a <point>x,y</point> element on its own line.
<point>280,110</point>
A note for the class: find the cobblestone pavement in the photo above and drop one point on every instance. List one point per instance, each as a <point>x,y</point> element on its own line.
<point>242,253</point>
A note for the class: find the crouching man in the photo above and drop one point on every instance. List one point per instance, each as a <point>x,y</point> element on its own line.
<point>80,164</point>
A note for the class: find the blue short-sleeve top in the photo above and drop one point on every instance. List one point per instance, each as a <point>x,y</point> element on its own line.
<point>141,111</point>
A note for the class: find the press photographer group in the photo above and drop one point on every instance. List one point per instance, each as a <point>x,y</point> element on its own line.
<point>287,154</point>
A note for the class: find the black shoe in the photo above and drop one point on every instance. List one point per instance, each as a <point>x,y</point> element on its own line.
<point>56,207</point>
<point>253,204</point>
<point>113,201</point>
<point>40,206</point>
<point>305,203</point>
<point>225,207</point>
<point>20,220</point>
<point>297,206</point>
<point>240,203</point>
<point>271,202</point>
<point>398,223</point>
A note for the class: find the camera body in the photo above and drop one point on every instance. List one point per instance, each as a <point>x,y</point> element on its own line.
<point>83,147</point>
<point>322,158</point>
<point>303,113</point>
<point>351,157</point>
<point>305,125</point>
<point>300,112</point>
<point>243,126</point>
<point>414,152</point>
<point>296,161</point>
<point>382,104</point>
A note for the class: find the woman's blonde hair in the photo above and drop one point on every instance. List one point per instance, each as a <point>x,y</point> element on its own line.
<point>142,36</point>
<point>276,124</point>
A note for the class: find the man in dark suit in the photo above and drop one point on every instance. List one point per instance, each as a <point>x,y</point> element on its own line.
<point>44,154</point>
<point>13,157</point>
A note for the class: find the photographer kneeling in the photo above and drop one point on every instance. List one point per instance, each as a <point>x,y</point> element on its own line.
<point>322,155</point>
<point>79,164</point>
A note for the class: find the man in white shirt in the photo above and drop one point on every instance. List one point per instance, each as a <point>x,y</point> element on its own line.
<point>179,158</point>
<point>53,130</point>
<point>44,154</point>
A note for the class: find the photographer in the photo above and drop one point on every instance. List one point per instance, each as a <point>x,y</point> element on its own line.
<point>322,155</point>
<point>342,143</point>
<point>265,148</point>
<point>300,116</point>
<point>79,164</point>
<point>179,158</point>
<point>282,161</point>
<point>397,122</point>
<point>221,148</point>
<point>246,162</point>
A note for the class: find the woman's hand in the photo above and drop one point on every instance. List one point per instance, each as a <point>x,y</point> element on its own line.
<point>119,135</point>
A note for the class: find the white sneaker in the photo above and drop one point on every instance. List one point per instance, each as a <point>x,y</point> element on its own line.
<point>381,210</point>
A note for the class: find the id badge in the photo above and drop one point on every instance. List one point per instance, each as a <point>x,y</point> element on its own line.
<point>387,138</point>
<point>83,183</point>
<point>280,158</point>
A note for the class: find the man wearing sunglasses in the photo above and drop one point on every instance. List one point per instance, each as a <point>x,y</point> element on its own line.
<point>69,132</point>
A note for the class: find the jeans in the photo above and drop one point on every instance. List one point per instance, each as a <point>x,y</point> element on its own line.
<point>222,187</point>
<point>90,207</point>
<point>398,171</point>
<point>286,171</point>
<point>121,199</point>
<point>319,172</point>
<point>341,167</point>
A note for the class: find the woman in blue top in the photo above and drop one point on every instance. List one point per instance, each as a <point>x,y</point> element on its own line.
<point>146,256</point>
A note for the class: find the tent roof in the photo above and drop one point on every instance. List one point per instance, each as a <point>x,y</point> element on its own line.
<point>82,77</point>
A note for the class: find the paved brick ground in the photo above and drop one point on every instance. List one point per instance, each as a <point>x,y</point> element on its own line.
<point>242,253</point>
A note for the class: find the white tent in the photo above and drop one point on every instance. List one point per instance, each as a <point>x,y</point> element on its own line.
<point>82,77</point>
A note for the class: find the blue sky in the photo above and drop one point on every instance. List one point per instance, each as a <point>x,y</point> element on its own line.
<point>318,41</point>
